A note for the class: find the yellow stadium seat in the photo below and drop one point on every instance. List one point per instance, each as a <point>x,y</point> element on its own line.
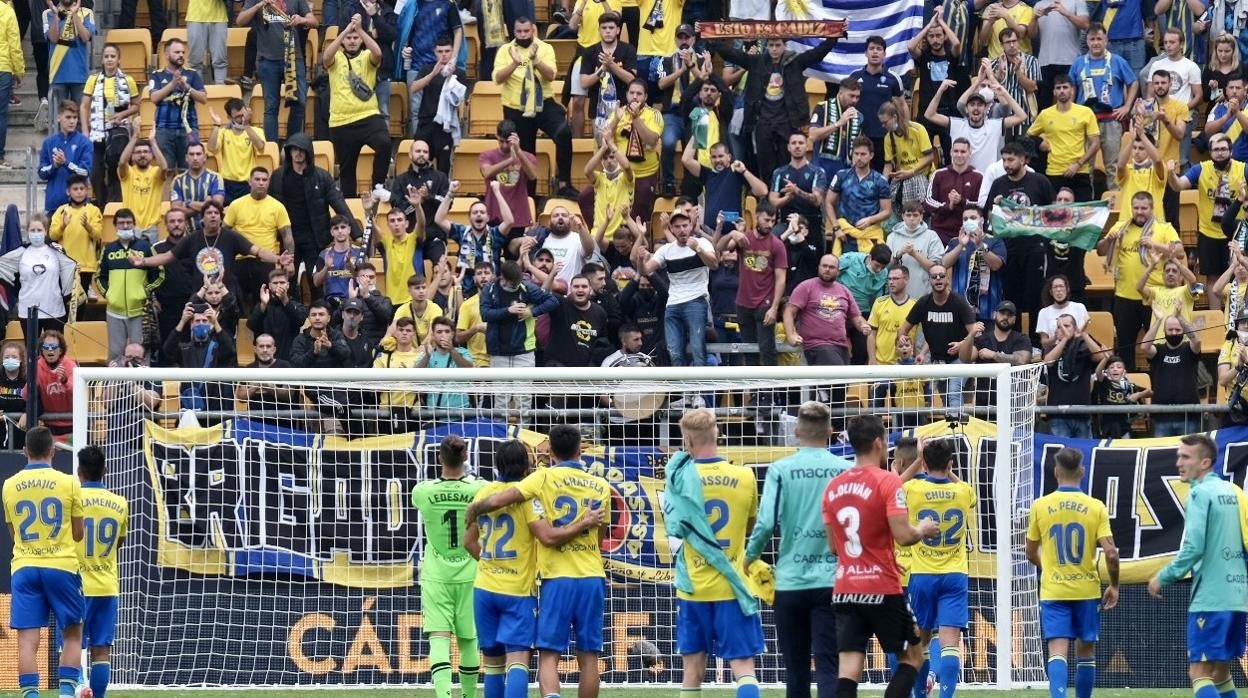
<point>403,156</point>
<point>398,109</point>
<point>857,395</point>
<point>541,11</point>
<point>552,204</point>
<point>474,53</point>
<point>271,158</point>
<point>485,109</point>
<point>582,150</point>
<point>236,49</point>
<point>661,206</point>
<point>1189,219</point>
<point>545,165</point>
<point>136,52</point>
<point>88,342</point>
<point>218,95</point>
<point>245,343</point>
<point>565,53</point>
<point>357,210</point>
<point>1101,327</point>
<point>1114,209</point>
<point>1211,328</point>
<point>466,168</point>
<point>364,170</point>
<point>110,228</point>
<point>174,33</point>
<point>312,48</point>
<point>1100,280</point>
<point>816,92</point>
<point>459,209</point>
<point>1144,381</point>
<point>147,110</point>
<point>323,153</point>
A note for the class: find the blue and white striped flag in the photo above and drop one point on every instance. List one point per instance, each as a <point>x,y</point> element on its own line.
<point>898,21</point>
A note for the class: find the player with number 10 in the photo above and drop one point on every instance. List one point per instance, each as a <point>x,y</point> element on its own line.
<point>43,508</point>
<point>573,591</point>
<point>864,512</point>
<point>447,571</point>
<point>1064,529</point>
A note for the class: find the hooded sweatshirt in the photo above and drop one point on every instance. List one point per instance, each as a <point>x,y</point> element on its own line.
<point>926,243</point>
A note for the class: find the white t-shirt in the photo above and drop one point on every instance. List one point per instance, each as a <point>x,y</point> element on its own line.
<point>566,249</point>
<point>686,272</point>
<point>1046,319</point>
<point>985,141</point>
<point>40,274</point>
<point>1183,74</point>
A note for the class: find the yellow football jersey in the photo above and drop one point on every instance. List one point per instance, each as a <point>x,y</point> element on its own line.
<point>731,495</point>
<point>1068,524</point>
<point>508,563</point>
<point>564,492</point>
<point>105,516</point>
<point>39,503</point>
<point>951,504</point>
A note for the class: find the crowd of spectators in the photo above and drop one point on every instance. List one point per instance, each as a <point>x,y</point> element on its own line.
<point>856,232</point>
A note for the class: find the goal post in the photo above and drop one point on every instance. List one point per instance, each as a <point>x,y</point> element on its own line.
<point>289,517</point>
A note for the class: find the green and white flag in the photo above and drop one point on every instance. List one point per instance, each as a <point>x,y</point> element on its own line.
<point>1079,224</point>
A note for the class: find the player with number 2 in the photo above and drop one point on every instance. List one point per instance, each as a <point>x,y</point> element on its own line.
<point>864,511</point>
<point>573,591</point>
<point>43,508</point>
<point>1064,529</point>
<point>447,571</point>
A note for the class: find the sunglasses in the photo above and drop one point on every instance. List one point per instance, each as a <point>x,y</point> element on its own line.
<point>936,276</point>
<point>48,347</point>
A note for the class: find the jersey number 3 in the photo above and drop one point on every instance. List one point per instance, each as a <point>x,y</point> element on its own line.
<point>850,519</point>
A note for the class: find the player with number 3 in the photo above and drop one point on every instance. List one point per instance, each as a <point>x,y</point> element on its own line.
<point>1064,529</point>
<point>864,511</point>
<point>447,570</point>
<point>43,508</point>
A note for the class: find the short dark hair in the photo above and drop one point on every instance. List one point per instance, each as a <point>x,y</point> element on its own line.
<point>863,142</point>
<point>207,205</point>
<point>509,270</point>
<point>881,253</point>
<point>851,85</point>
<point>91,463</point>
<point>444,40</point>
<point>233,104</point>
<point>39,444</point>
<point>973,207</point>
<point>506,127</point>
<point>765,207</point>
<point>1208,448</point>
<point>77,179</point>
<point>877,40</point>
<point>453,451</point>
<point>591,268</point>
<point>323,305</point>
<point>1096,28</point>
<point>339,220</point>
<point>122,214</point>
<point>257,168</point>
<point>441,320</point>
<point>416,280</point>
<point>863,432</point>
<point>905,271</point>
<point>627,328</point>
<point>683,200</point>
<point>937,454</point>
<point>610,18</point>
<point>364,266</point>
<point>1015,149</point>
<point>278,273</point>
<point>565,441</point>
<point>405,322</point>
<point>1068,459</point>
<point>1064,79</point>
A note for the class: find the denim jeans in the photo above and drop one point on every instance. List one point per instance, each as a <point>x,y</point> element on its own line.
<point>334,13</point>
<point>685,324</point>
<point>6,90</point>
<point>382,90</point>
<point>272,74</point>
<point>673,133</point>
<point>1075,426</point>
<point>1175,424</point>
<point>414,97</point>
<point>951,389</point>
<point>172,143</point>
<point>1133,51</point>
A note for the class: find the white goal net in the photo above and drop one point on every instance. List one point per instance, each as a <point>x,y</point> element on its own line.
<point>273,543</point>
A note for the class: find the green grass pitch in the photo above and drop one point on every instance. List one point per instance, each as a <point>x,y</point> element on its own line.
<point>640,692</point>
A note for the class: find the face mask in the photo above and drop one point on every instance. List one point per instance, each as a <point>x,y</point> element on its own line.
<point>125,234</point>
<point>349,322</point>
<point>971,225</point>
<point>12,364</point>
<point>911,228</point>
<point>200,332</point>
<point>1174,340</point>
<point>1243,336</point>
<point>37,239</point>
<point>524,43</point>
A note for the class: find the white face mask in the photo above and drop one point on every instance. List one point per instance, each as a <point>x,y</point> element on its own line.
<point>123,234</point>
<point>37,239</point>
<point>1243,336</point>
<point>971,225</point>
<point>12,364</point>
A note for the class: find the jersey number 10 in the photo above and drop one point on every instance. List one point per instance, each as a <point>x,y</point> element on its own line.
<point>1068,541</point>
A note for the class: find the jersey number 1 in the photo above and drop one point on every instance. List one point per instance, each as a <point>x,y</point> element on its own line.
<point>451,519</point>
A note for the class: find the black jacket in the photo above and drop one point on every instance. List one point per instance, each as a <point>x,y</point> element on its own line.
<point>439,185</point>
<point>792,65</point>
<point>691,98</point>
<point>384,27</point>
<point>302,354</point>
<point>321,193</point>
<point>378,312</point>
<point>281,320</point>
<point>180,350</point>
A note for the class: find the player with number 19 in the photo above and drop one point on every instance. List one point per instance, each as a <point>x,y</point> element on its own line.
<point>1065,527</point>
<point>105,523</point>
<point>864,512</point>
<point>573,591</point>
<point>43,508</point>
<point>504,543</point>
<point>447,570</point>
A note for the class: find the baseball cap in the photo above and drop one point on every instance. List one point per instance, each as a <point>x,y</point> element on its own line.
<point>1007,307</point>
<point>685,30</point>
<point>353,304</point>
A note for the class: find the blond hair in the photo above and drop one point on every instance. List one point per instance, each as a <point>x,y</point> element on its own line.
<point>814,420</point>
<point>698,427</point>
